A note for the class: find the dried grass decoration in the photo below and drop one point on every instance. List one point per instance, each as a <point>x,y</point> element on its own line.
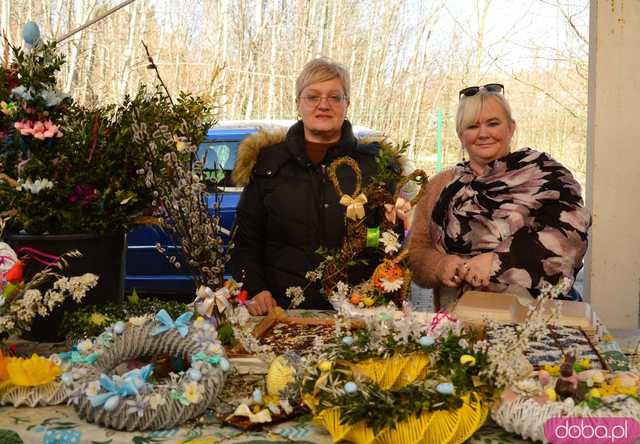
<point>106,392</point>
<point>391,280</point>
<point>394,384</point>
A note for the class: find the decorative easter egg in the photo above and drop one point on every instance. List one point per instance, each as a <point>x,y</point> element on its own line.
<point>224,364</point>
<point>119,327</point>
<point>426,341</point>
<point>350,387</point>
<point>468,360</point>
<point>194,374</point>
<point>445,388</point>
<point>30,33</point>
<point>66,378</point>
<point>257,396</point>
<point>325,366</point>
<point>347,340</point>
<point>111,403</point>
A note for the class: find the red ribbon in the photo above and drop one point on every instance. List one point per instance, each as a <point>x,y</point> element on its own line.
<point>39,256</point>
<point>441,315</point>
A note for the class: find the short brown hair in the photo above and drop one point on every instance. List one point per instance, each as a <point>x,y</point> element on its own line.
<point>321,70</point>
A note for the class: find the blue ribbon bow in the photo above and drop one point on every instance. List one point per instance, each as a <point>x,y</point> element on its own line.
<point>116,388</point>
<point>75,357</point>
<point>181,323</point>
<point>214,360</point>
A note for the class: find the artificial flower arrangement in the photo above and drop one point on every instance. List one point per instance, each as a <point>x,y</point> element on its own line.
<point>389,285</point>
<point>401,381</point>
<point>67,168</point>
<point>106,391</point>
<point>21,299</point>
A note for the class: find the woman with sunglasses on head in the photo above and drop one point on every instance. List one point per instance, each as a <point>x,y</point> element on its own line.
<point>289,208</point>
<point>504,220</point>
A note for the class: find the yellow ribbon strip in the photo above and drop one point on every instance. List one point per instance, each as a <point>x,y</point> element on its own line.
<point>355,207</point>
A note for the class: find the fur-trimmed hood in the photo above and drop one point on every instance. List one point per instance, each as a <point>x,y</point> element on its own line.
<point>250,148</point>
<point>248,152</point>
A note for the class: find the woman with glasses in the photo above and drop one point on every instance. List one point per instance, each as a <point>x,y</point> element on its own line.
<point>504,220</point>
<point>289,208</point>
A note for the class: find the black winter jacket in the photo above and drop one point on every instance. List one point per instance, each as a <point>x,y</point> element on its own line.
<point>289,209</point>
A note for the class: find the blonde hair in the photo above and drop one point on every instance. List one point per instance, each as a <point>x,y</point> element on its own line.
<point>469,108</point>
<point>321,70</point>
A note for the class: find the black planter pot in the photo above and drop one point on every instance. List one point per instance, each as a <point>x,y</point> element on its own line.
<point>103,255</point>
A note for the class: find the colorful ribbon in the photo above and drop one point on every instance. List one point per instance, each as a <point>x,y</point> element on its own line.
<point>213,360</point>
<point>116,388</point>
<point>75,357</point>
<point>439,317</point>
<point>355,207</point>
<point>210,299</point>
<point>39,256</point>
<point>373,237</point>
<point>181,324</point>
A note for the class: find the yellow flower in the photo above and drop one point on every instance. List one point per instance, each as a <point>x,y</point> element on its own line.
<point>3,367</point>
<point>468,360</point>
<point>368,301</point>
<point>607,337</point>
<point>584,363</point>
<point>325,366</point>
<point>8,109</point>
<point>192,392</point>
<point>553,370</point>
<point>551,394</point>
<point>594,393</point>
<point>33,371</point>
<point>98,319</point>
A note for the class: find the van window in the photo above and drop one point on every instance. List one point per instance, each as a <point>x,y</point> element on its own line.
<point>220,158</point>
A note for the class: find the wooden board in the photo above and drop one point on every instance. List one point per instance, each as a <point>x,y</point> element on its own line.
<point>298,334</point>
<point>505,308</point>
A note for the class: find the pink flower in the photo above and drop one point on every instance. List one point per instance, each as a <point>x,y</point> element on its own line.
<point>39,130</point>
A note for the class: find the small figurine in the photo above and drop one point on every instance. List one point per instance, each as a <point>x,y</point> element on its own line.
<point>567,385</point>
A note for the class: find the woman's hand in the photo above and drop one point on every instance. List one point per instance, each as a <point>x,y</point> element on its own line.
<point>452,271</point>
<point>261,303</point>
<point>480,269</point>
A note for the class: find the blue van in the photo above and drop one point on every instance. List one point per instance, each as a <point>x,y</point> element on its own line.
<point>149,271</point>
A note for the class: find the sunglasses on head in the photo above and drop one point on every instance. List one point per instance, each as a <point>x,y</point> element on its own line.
<point>473,90</point>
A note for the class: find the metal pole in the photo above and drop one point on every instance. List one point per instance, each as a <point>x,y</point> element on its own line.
<point>97,19</point>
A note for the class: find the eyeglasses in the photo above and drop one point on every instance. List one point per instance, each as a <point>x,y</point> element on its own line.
<point>314,100</point>
<point>473,90</point>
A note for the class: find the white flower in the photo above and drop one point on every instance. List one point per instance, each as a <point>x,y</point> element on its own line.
<point>296,294</point>
<point>214,349</point>
<point>192,392</point>
<point>341,291</point>
<point>390,242</point>
<point>34,187</point>
<point>138,321</point>
<point>52,97</point>
<point>85,346</point>
<point>156,400</point>
<point>92,389</point>
<point>390,286</point>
